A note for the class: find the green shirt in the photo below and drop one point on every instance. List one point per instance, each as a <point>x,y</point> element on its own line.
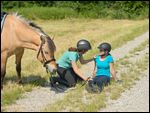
<point>67,58</point>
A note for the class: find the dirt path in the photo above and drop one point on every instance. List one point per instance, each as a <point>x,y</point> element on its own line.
<point>133,100</point>
<point>39,98</point>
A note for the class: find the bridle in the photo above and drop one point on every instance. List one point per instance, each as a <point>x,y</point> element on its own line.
<point>45,61</point>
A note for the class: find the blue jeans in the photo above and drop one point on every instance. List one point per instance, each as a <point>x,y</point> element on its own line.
<point>101,81</point>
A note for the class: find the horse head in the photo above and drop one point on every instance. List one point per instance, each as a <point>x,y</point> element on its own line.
<point>46,54</point>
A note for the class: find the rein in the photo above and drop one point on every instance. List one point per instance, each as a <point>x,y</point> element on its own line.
<point>85,82</point>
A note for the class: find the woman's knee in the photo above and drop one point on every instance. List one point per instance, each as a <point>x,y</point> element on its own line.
<point>102,81</point>
<point>70,77</point>
<point>72,85</point>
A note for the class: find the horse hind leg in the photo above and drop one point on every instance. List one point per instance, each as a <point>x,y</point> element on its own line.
<point>3,72</point>
<point>19,55</point>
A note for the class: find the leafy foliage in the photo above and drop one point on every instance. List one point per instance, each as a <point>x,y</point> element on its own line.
<point>86,9</point>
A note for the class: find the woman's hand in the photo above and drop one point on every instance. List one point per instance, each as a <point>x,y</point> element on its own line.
<point>82,61</point>
<point>88,78</point>
<point>94,56</point>
<point>94,73</point>
<point>112,71</point>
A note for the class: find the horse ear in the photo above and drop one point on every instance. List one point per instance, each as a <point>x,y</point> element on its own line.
<point>42,38</point>
<point>53,37</point>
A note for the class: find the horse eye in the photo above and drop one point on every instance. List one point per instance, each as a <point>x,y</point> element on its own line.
<point>46,52</point>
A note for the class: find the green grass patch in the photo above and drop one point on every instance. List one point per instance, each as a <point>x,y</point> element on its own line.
<point>15,92</point>
<point>73,101</point>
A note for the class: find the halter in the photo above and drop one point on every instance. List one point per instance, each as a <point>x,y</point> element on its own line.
<point>45,61</point>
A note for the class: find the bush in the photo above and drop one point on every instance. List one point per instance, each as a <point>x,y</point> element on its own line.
<point>46,12</point>
<point>78,9</point>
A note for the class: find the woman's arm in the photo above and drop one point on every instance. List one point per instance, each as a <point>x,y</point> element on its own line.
<point>82,61</point>
<point>78,72</point>
<point>112,71</point>
<point>94,70</point>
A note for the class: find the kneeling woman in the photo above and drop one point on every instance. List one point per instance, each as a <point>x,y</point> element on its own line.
<point>104,68</point>
<point>68,70</point>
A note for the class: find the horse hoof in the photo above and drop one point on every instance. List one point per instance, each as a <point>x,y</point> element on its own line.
<point>20,82</point>
<point>1,87</point>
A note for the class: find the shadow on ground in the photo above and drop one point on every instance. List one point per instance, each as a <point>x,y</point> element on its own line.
<point>35,80</point>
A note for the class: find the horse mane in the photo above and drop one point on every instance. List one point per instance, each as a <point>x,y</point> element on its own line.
<point>35,27</point>
<point>29,23</point>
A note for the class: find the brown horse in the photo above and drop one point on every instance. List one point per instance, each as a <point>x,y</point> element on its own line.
<point>18,34</point>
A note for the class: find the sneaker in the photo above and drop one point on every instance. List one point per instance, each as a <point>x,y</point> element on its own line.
<point>92,88</point>
<point>52,83</point>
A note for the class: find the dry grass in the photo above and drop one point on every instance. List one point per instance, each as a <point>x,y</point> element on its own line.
<point>67,32</point>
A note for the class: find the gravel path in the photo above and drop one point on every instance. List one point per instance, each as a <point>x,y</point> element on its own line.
<point>39,98</point>
<point>137,98</point>
<point>35,100</point>
<point>133,100</point>
<point>122,51</point>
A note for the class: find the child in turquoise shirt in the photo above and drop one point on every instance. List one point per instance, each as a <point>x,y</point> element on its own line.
<point>104,68</point>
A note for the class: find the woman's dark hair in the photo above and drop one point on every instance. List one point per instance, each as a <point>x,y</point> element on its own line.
<point>73,49</point>
<point>109,54</point>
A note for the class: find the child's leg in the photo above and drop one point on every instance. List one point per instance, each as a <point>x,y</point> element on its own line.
<point>102,81</point>
<point>91,86</point>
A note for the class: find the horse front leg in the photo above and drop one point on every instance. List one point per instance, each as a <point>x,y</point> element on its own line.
<point>18,64</point>
<point>3,67</point>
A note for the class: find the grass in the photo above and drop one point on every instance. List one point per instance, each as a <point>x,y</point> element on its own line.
<point>73,101</point>
<point>115,92</point>
<point>14,93</point>
<point>67,32</point>
<point>94,30</point>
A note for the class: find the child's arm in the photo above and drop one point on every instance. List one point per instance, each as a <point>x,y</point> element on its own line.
<point>94,70</point>
<point>112,71</point>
